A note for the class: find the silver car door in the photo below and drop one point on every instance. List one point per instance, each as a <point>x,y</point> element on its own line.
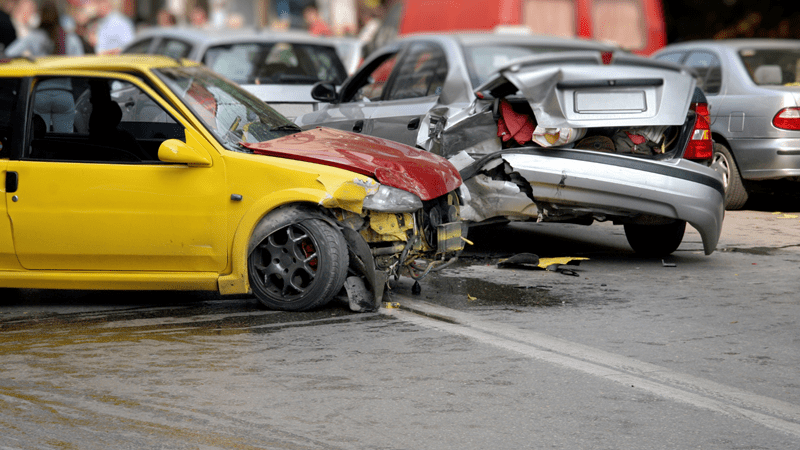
<point>415,86</point>
<point>360,95</point>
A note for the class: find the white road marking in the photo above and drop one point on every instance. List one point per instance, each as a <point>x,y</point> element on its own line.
<point>657,380</point>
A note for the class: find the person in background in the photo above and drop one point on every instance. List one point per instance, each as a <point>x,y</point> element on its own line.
<point>198,17</point>
<point>54,101</point>
<point>7,32</point>
<point>49,38</point>
<point>25,17</point>
<point>165,19</point>
<point>315,23</point>
<point>114,31</point>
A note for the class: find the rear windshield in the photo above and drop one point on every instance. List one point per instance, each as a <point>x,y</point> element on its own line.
<point>483,60</point>
<point>777,67</point>
<point>276,63</point>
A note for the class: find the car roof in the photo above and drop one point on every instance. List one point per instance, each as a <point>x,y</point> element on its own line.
<point>117,63</point>
<point>475,38</point>
<point>216,37</point>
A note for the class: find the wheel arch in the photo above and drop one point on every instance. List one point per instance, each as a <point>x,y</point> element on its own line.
<point>236,281</point>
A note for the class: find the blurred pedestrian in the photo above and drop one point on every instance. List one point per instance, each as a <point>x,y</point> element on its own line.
<point>54,102</point>
<point>198,17</point>
<point>50,38</point>
<point>7,32</point>
<point>165,19</point>
<point>316,25</point>
<point>25,17</point>
<point>114,31</point>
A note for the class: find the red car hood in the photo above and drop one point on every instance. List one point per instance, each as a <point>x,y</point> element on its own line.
<point>393,164</point>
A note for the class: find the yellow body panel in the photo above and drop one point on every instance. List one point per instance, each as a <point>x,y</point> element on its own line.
<point>77,225</point>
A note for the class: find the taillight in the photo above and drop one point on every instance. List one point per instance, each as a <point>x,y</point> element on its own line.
<point>700,146</point>
<point>787,119</point>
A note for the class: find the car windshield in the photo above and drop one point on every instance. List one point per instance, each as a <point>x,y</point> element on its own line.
<point>276,63</point>
<point>483,60</point>
<point>772,66</point>
<point>232,114</point>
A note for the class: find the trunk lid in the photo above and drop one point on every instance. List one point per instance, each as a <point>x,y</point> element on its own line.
<point>577,90</point>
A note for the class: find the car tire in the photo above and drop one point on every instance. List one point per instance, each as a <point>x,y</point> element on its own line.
<point>735,193</point>
<point>297,261</point>
<point>655,240</point>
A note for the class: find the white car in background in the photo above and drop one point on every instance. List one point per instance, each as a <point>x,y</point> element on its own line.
<point>277,67</point>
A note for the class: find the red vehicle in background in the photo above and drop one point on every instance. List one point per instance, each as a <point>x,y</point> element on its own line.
<point>635,25</point>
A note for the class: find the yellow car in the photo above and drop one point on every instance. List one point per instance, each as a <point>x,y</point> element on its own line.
<point>144,172</point>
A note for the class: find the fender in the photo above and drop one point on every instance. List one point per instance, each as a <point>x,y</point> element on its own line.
<point>348,195</point>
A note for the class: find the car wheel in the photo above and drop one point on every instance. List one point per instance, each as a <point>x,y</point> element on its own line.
<point>655,240</point>
<point>735,192</point>
<point>297,262</point>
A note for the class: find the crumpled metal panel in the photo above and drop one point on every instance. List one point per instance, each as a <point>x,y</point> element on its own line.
<point>576,90</point>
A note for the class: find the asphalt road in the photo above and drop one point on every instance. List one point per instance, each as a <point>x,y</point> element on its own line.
<point>693,351</point>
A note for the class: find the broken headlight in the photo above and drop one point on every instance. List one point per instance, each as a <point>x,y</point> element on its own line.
<point>392,200</point>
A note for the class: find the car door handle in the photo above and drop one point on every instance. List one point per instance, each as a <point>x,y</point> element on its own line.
<point>12,181</point>
<point>358,126</point>
<point>413,124</point>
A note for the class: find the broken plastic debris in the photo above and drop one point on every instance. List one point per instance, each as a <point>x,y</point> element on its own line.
<point>531,261</point>
<point>471,298</point>
<point>391,305</point>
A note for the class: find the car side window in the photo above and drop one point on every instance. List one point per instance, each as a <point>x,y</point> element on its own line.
<point>373,82</point>
<point>675,57</point>
<point>97,120</point>
<point>421,73</point>
<point>140,47</point>
<point>709,69</point>
<point>173,48</point>
<point>9,134</point>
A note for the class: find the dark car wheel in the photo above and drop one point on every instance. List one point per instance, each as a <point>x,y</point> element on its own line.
<point>655,240</point>
<point>297,262</point>
<point>735,192</point>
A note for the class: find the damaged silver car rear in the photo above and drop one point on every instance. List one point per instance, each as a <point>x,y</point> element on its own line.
<point>574,135</point>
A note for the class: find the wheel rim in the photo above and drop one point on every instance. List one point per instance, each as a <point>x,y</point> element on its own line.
<point>721,164</point>
<point>286,262</point>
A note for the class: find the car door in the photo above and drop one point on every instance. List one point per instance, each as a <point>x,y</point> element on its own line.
<point>83,199</point>
<point>359,97</point>
<point>9,139</point>
<point>416,83</point>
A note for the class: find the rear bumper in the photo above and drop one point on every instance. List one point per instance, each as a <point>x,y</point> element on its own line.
<point>617,186</point>
<point>765,159</point>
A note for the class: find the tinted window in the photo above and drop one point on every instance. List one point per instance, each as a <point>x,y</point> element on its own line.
<point>709,71</point>
<point>676,57</point>
<point>772,66</point>
<point>421,73</point>
<point>97,120</point>
<point>371,80</point>
<point>9,134</point>
<point>276,63</point>
<point>140,47</point>
<point>483,60</point>
<point>173,48</point>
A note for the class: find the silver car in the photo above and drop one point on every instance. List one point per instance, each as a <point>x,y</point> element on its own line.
<point>753,91</point>
<point>278,67</point>
<point>545,129</point>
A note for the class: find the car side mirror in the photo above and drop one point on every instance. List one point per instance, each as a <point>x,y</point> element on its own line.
<point>175,151</point>
<point>324,92</point>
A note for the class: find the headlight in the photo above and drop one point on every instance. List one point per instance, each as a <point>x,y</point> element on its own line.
<point>392,200</point>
